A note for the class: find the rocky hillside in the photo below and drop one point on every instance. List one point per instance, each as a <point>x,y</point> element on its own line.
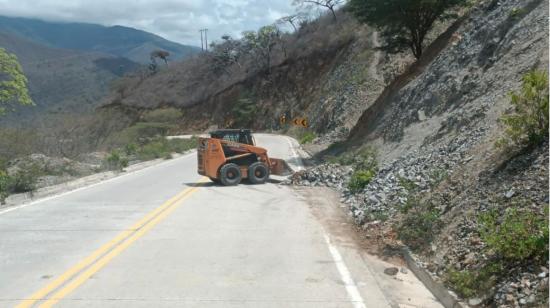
<point>442,186</point>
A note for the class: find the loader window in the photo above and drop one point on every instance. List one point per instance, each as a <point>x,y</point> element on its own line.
<point>234,138</point>
<point>240,136</point>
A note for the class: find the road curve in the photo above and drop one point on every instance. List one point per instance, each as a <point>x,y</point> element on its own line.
<point>166,237</point>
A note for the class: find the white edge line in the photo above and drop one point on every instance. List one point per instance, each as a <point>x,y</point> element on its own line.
<point>351,287</point>
<point>294,153</point>
<point>16,207</point>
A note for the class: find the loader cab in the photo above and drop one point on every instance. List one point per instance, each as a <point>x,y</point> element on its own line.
<point>236,135</point>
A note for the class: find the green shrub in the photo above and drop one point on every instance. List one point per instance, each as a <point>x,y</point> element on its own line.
<point>517,12</point>
<point>365,165</point>
<point>307,137</point>
<point>528,125</point>
<point>161,147</point>
<point>25,180</point>
<point>363,159</point>
<point>5,185</point>
<point>182,145</point>
<point>164,115</point>
<point>419,225</point>
<point>438,175</point>
<point>154,149</point>
<point>130,149</point>
<point>360,179</point>
<point>116,161</point>
<point>244,110</point>
<point>409,185</point>
<point>22,181</point>
<point>465,282</point>
<point>516,235</point>
<point>471,283</point>
<point>141,131</point>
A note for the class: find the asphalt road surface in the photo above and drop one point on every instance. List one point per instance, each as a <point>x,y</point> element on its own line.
<point>166,237</point>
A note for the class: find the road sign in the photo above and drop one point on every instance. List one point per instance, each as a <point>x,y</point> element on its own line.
<point>300,122</point>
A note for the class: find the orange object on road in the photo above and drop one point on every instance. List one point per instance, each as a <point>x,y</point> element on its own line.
<point>231,155</point>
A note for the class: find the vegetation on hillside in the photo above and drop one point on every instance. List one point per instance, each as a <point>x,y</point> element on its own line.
<point>404,23</point>
<point>13,83</point>
<point>528,123</point>
<point>246,64</point>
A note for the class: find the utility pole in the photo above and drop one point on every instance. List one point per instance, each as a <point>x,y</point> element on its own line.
<point>204,43</point>
<point>206,39</point>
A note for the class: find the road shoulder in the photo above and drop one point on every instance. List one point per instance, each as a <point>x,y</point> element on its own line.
<point>17,200</point>
<point>402,289</point>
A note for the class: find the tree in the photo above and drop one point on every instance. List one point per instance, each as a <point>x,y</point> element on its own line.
<point>260,44</point>
<point>13,83</point>
<point>225,54</point>
<point>331,5</point>
<point>161,54</point>
<point>293,20</point>
<point>404,23</point>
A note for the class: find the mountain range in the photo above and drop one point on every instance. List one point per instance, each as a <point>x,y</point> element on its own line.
<point>126,42</point>
<point>71,66</point>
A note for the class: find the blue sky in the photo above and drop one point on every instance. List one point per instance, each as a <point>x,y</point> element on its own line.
<point>177,20</point>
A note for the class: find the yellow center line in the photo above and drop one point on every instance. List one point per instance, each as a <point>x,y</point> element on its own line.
<point>117,244</point>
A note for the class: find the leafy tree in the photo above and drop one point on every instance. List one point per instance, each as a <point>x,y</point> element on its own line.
<point>225,54</point>
<point>331,5</point>
<point>404,23</point>
<point>244,110</point>
<point>161,54</point>
<point>528,125</point>
<point>13,83</point>
<point>260,45</point>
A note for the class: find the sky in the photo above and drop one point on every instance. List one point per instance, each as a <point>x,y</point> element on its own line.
<point>176,20</point>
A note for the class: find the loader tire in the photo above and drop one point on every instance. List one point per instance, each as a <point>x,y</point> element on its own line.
<point>230,174</point>
<point>258,173</point>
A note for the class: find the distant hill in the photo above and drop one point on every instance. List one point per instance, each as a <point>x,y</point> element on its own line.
<point>62,80</point>
<point>126,42</point>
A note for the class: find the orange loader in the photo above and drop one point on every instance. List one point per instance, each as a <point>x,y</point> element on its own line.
<point>231,155</point>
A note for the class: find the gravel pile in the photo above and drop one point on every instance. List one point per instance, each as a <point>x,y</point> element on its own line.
<point>523,289</point>
<point>327,175</point>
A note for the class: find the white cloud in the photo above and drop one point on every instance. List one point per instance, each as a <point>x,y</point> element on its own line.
<point>178,20</point>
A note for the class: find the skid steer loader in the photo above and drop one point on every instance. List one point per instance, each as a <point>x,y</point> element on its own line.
<point>231,155</point>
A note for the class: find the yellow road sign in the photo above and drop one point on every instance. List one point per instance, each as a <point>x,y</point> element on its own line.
<point>300,122</point>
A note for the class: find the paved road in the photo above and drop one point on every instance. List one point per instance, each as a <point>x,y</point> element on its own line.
<point>166,237</point>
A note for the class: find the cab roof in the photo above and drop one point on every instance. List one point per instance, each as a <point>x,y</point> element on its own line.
<point>230,131</point>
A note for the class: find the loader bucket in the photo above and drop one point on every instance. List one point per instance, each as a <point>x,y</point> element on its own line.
<point>280,167</point>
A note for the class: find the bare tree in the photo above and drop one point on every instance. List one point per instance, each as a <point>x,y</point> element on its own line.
<point>294,20</point>
<point>331,5</point>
